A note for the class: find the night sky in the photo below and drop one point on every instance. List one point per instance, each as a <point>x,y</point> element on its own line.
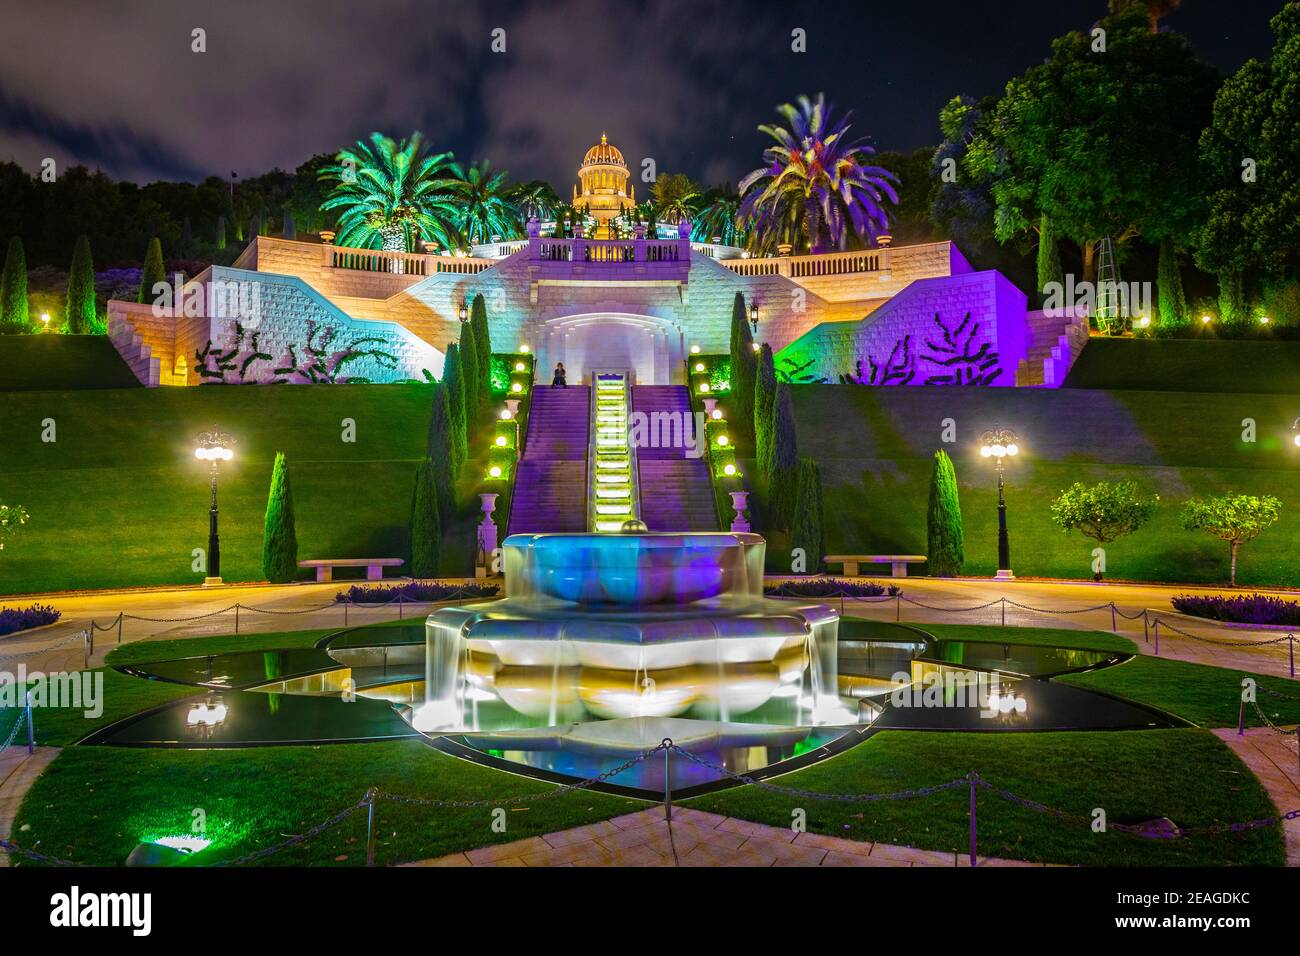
<point>114,85</point>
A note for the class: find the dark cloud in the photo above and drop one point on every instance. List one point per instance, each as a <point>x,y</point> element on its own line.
<point>115,84</point>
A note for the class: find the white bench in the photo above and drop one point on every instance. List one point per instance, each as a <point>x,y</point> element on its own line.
<point>898,562</point>
<point>374,567</point>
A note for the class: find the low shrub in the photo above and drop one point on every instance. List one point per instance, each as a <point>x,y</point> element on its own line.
<point>830,587</point>
<point>13,619</point>
<point>1240,608</point>
<point>415,591</point>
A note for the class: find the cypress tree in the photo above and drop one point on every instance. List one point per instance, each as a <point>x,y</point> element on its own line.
<point>469,377</point>
<point>425,527</point>
<point>1049,258</point>
<point>807,530</point>
<point>765,412</point>
<point>14,317</point>
<point>221,232</point>
<point>1169,285</point>
<point>785,461</point>
<point>943,520</point>
<point>482,349</point>
<point>152,272</point>
<point>451,381</point>
<point>439,449</point>
<point>80,309</point>
<point>743,367</point>
<point>279,538</point>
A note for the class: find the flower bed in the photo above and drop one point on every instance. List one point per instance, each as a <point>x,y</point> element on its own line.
<point>415,591</point>
<point>830,587</point>
<point>1240,609</point>
<point>13,619</point>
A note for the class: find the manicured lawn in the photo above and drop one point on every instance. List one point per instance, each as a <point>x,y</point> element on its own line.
<point>118,498</point>
<point>141,651</point>
<point>123,696</point>
<point>1208,696</point>
<point>1185,775</point>
<point>1047,636</point>
<point>94,804</point>
<point>31,362</point>
<point>874,446</point>
<point>1188,365</point>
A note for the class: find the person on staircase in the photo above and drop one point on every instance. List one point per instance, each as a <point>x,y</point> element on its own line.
<point>558,379</point>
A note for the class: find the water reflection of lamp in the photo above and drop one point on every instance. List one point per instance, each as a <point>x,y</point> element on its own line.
<point>205,717</point>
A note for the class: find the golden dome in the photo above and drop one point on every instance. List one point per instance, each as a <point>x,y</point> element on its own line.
<point>603,153</point>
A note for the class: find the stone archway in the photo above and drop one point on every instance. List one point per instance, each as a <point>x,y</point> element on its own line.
<point>651,348</point>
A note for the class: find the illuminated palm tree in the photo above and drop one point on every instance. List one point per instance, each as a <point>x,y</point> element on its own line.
<point>537,198</point>
<point>393,195</point>
<point>485,206</point>
<point>815,189</point>
<point>718,217</point>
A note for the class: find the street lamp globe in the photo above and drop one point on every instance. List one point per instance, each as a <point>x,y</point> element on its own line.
<point>213,446</point>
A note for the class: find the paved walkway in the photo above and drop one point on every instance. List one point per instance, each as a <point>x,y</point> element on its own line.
<point>18,771</point>
<point>696,838</point>
<point>1273,759</point>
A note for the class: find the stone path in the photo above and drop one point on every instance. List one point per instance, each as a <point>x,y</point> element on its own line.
<point>698,839</point>
<point>18,771</point>
<point>1272,758</point>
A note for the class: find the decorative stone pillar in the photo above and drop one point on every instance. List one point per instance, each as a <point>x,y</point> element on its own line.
<point>709,405</point>
<point>513,405</point>
<point>487,537</point>
<point>738,502</point>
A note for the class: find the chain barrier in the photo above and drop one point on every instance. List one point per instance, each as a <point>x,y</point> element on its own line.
<point>13,732</point>
<point>78,638</point>
<point>1209,640</point>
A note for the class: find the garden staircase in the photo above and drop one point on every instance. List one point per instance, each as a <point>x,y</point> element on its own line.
<point>613,492</point>
<point>550,480</point>
<point>1054,343</point>
<point>676,490</point>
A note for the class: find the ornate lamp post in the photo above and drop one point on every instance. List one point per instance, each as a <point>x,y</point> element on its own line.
<point>1000,444</point>
<point>214,446</point>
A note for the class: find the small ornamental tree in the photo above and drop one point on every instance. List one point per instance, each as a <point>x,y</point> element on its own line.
<point>478,321</point>
<point>469,377</point>
<point>279,538</point>
<point>743,368</point>
<point>807,530</point>
<point>785,462</point>
<point>439,450</point>
<point>426,536</point>
<point>451,380</point>
<point>1235,519</point>
<point>944,536</point>
<point>764,411</point>
<point>14,317</point>
<point>152,272</point>
<point>12,517</point>
<point>1105,511</point>
<point>80,309</point>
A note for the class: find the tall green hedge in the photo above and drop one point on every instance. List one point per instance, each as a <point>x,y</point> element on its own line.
<point>451,381</point>
<point>743,370</point>
<point>785,462</point>
<point>14,317</point>
<point>808,529</point>
<point>152,272</point>
<point>943,525</point>
<point>483,350</point>
<point>439,448</point>
<point>765,412</point>
<point>279,537</point>
<point>1049,257</point>
<point>426,534</point>
<point>80,311</point>
<point>470,376</point>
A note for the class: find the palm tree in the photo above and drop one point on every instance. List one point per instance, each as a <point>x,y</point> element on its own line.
<point>537,198</point>
<point>393,194</point>
<point>717,215</point>
<point>815,188</point>
<point>486,209</point>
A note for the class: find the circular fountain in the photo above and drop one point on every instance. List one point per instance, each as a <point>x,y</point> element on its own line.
<point>630,625</point>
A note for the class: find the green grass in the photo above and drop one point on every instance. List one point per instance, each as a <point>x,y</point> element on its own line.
<point>94,804</point>
<point>1045,636</point>
<point>1208,696</point>
<point>123,695</point>
<point>139,652</point>
<point>1186,775</point>
<point>874,446</point>
<point>1188,365</point>
<point>31,362</point>
<point>119,499</point>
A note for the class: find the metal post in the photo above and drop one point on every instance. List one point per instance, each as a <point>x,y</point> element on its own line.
<point>1241,716</point>
<point>1290,643</point>
<point>120,615</point>
<point>85,649</point>
<point>667,744</point>
<point>370,827</point>
<point>1004,611</point>
<point>399,605</point>
<point>972,776</point>
<point>898,606</point>
<point>236,617</point>
<point>345,613</point>
<point>1113,628</point>
<point>214,540</point>
<point>1146,628</point>
<point>1157,637</point>
<point>31,732</point>
<point>1004,542</point>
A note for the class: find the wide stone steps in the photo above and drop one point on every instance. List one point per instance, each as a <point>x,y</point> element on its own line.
<point>550,491</point>
<point>676,490</point>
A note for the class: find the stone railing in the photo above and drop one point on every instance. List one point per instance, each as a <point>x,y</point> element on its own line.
<point>824,264</point>
<point>400,263</point>
<point>609,251</point>
<point>497,250</point>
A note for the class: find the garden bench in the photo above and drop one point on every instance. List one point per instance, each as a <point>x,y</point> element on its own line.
<point>898,562</point>
<point>374,566</point>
